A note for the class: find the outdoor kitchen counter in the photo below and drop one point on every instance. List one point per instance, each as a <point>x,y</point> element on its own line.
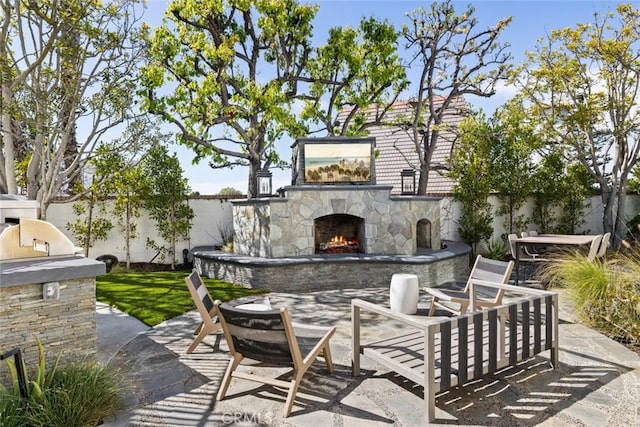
<point>52,301</point>
<point>48,269</point>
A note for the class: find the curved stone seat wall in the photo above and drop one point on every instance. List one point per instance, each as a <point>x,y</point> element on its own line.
<point>323,272</point>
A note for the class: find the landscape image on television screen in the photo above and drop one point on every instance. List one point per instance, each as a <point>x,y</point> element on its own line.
<point>334,163</point>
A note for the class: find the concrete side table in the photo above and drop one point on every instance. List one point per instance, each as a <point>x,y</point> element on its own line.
<point>403,293</point>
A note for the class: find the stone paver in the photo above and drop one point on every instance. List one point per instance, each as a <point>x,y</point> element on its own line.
<point>596,384</point>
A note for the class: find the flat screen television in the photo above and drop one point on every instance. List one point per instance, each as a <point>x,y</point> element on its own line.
<point>334,160</point>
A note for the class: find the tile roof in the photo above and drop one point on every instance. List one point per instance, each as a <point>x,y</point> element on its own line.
<point>397,150</point>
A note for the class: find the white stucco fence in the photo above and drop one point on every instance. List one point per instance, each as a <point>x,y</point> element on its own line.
<point>213,215</point>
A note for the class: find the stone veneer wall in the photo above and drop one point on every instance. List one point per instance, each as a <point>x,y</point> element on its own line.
<point>282,227</point>
<point>66,326</point>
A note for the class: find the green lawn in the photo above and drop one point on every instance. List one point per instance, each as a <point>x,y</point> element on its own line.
<point>154,297</point>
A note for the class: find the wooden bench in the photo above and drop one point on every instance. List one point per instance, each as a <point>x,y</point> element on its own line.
<point>442,352</point>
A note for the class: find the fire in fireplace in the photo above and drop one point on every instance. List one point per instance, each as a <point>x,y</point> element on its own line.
<point>339,244</point>
<point>339,233</point>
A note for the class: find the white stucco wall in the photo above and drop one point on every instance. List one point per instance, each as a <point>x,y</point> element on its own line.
<point>213,215</point>
<point>450,212</point>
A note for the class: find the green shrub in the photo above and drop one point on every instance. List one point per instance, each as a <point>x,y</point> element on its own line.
<point>81,394</point>
<point>623,299</point>
<point>12,410</point>
<point>496,249</point>
<point>41,378</point>
<point>606,292</point>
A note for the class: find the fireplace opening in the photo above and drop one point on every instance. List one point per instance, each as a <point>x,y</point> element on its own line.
<point>339,233</point>
<point>423,234</point>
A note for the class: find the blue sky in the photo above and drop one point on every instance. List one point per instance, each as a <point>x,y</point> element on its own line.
<point>531,21</point>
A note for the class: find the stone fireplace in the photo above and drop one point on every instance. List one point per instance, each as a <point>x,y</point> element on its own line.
<point>334,222</point>
<point>308,217</point>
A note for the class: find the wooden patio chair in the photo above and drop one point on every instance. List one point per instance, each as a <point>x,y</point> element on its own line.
<point>594,248</point>
<point>205,307</point>
<point>526,254</point>
<point>529,258</point>
<point>483,269</point>
<point>604,245</point>
<point>270,337</point>
<point>530,252</point>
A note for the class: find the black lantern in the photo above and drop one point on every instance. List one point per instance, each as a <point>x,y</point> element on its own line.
<point>264,183</point>
<point>408,181</point>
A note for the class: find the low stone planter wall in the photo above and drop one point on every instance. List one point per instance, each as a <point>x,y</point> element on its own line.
<point>322,272</point>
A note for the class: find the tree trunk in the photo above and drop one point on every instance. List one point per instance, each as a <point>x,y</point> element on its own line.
<point>43,210</point>
<point>70,62</point>
<point>33,169</point>
<point>127,237</point>
<point>37,177</point>
<point>429,146</point>
<point>423,181</point>
<point>511,214</point>
<point>172,243</point>
<point>608,215</point>
<point>8,145</point>
<point>425,167</point>
<point>620,226</point>
<point>254,167</point>
<point>87,237</point>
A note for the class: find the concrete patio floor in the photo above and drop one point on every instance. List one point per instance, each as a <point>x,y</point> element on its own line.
<point>596,384</point>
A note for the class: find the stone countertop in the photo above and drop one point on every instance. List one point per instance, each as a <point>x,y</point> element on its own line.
<point>48,269</point>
